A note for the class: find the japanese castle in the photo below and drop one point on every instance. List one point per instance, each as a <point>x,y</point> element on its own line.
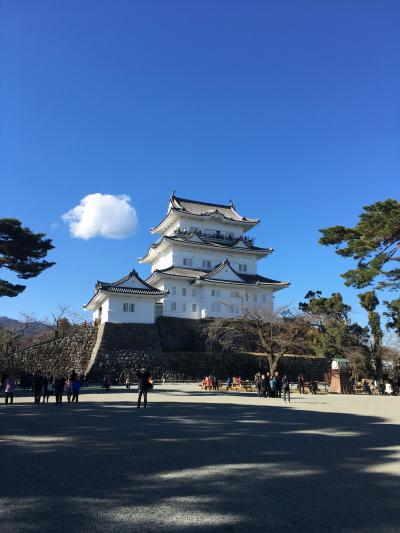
<point>203,265</point>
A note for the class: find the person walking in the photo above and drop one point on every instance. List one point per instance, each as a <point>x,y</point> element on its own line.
<point>128,381</point>
<point>37,385</point>
<point>9,387</point>
<point>59,384</point>
<point>145,382</point>
<point>286,388</point>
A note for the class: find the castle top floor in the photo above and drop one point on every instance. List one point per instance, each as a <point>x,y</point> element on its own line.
<point>185,215</point>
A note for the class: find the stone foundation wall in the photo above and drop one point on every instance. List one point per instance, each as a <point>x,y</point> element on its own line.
<point>126,348</point>
<point>55,356</point>
<point>200,364</point>
<point>180,334</point>
<point>171,345</point>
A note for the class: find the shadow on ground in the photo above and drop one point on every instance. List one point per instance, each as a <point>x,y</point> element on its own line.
<point>182,467</point>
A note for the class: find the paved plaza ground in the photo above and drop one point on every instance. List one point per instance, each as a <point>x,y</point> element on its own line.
<point>200,461</point>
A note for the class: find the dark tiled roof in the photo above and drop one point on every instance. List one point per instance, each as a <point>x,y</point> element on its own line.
<point>103,285</point>
<point>187,239</point>
<point>147,290</point>
<point>195,207</point>
<point>197,274</point>
<point>132,290</point>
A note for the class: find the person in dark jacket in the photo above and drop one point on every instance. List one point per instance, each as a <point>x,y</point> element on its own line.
<point>59,384</point>
<point>75,388</point>
<point>37,385</point>
<point>258,383</point>
<point>278,386</point>
<point>144,384</point>
<point>286,388</point>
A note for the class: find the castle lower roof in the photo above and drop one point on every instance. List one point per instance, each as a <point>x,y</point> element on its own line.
<point>129,284</point>
<point>198,275</point>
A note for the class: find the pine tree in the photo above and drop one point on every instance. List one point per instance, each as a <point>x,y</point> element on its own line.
<point>21,252</point>
<point>369,301</point>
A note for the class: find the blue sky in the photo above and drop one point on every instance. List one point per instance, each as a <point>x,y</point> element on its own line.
<point>290,108</point>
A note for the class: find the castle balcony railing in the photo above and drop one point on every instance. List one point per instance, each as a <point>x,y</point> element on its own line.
<point>216,236</point>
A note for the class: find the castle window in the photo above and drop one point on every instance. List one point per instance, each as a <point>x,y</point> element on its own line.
<point>173,291</point>
<point>206,264</point>
<point>128,308</point>
<point>173,306</point>
<point>184,291</point>
<point>264,298</point>
<point>215,307</point>
<point>242,267</point>
<point>215,292</point>
<point>187,261</point>
<point>255,297</point>
<point>194,307</point>
<point>184,307</point>
<point>235,294</point>
<point>194,292</point>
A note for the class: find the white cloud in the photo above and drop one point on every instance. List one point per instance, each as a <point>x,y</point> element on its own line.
<point>103,215</point>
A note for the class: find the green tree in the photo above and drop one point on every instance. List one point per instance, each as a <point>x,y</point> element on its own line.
<point>374,242</point>
<point>369,301</point>
<point>393,314</point>
<point>334,333</point>
<point>21,252</point>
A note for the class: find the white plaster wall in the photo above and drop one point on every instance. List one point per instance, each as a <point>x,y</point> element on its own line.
<point>204,299</point>
<point>143,314</point>
<point>163,262</point>
<point>197,254</point>
<point>104,312</point>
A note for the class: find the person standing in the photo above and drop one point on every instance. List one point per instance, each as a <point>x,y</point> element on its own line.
<point>286,388</point>
<point>272,386</point>
<point>258,384</point>
<point>75,388</point>
<point>145,383</point>
<point>9,387</point>
<point>278,386</point>
<point>37,385</point>
<point>46,388</point>
<point>128,381</point>
<point>59,384</point>
<point>300,383</point>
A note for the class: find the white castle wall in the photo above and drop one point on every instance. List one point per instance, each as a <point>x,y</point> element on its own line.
<point>197,254</point>
<point>212,300</point>
<point>112,309</point>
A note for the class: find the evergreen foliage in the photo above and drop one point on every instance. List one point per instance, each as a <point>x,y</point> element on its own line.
<point>393,314</point>
<point>374,242</point>
<point>369,301</point>
<point>21,252</point>
<point>334,334</point>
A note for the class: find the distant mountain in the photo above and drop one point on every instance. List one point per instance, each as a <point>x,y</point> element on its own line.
<point>11,323</point>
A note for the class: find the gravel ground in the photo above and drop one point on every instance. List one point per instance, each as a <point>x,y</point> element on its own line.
<point>200,461</point>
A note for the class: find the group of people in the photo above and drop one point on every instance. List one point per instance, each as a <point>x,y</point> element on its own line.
<point>272,385</point>
<point>43,386</point>
<point>381,387</point>
<point>210,383</point>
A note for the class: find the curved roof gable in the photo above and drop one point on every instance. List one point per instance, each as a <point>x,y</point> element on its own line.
<point>129,284</point>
